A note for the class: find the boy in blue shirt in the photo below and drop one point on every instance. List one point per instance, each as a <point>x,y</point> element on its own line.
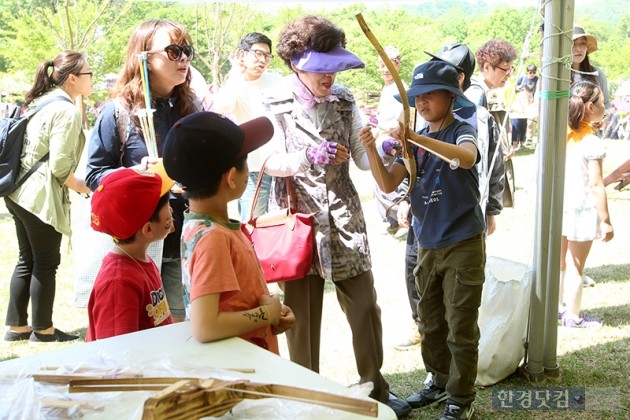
<point>450,274</point>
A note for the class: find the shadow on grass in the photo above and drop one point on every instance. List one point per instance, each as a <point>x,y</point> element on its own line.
<point>612,316</point>
<point>609,273</point>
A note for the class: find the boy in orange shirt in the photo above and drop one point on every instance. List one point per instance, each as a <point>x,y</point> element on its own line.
<point>207,154</point>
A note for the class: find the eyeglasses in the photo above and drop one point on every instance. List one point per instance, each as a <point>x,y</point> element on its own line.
<point>85,72</point>
<point>261,55</point>
<point>508,70</point>
<point>174,52</point>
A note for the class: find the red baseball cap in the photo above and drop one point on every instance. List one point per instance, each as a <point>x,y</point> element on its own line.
<point>125,200</point>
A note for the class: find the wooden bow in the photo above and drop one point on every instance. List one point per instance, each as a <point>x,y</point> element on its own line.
<point>407,156</point>
<point>192,398</point>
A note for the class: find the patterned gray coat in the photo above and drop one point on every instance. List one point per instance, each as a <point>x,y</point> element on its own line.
<point>342,249</point>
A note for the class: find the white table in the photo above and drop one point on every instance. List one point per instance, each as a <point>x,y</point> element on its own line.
<point>159,349</point>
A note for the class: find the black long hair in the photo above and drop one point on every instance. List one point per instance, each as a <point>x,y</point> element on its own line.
<point>585,68</point>
<point>66,63</point>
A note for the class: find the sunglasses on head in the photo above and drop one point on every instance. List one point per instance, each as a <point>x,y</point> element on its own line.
<point>174,52</point>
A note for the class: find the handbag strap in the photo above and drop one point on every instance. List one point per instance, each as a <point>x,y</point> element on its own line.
<point>292,198</point>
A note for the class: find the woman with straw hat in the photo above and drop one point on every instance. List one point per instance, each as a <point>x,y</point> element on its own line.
<point>582,69</point>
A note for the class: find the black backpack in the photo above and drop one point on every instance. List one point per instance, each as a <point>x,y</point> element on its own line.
<point>12,131</point>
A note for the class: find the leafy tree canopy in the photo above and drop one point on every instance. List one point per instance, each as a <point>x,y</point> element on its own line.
<point>36,30</point>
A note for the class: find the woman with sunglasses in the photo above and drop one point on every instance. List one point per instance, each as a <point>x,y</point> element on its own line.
<point>118,141</point>
<point>40,207</point>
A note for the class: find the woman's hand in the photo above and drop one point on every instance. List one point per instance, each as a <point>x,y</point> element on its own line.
<point>491,223</point>
<point>327,152</point>
<point>342,155</point>
<point>77,184</point>
<point>392,147</point>
<point>146,162</point>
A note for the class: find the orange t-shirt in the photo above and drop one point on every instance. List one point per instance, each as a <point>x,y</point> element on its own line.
<point>220,259</point>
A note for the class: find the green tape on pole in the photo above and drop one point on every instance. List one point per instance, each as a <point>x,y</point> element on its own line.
<point>554,94</point>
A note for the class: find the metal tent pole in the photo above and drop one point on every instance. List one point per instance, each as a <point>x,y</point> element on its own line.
<point>547,137</point>
<point>565,28</point>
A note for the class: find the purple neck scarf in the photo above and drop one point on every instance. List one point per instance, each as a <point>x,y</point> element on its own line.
<point>307,96</point>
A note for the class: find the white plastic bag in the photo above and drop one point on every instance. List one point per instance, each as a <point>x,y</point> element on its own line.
<point>503,319</point>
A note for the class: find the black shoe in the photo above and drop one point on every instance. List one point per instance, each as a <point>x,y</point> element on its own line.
<point>16,336</point>
<point>457,411</point>
<point>401,408</point>
<point>57,336</point>
<point>430,395</point>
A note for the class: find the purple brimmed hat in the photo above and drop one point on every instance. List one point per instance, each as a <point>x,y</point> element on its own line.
<point>435,75</point>
<point>333,61</point>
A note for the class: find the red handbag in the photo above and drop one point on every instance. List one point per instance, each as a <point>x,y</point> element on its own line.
<point>283,239</point>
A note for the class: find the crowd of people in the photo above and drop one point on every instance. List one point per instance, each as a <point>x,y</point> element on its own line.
<point>308,128</point>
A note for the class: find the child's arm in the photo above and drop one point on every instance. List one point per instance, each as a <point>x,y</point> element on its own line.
<point>387,180</point>
<point>287,319</point>
<point>465,152</point>
<point>209,324</point>
<point>601,200</point>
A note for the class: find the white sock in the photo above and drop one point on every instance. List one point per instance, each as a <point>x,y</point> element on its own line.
<point>573,294</point>
<point>561,292</point>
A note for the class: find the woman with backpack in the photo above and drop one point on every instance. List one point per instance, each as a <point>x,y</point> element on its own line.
<point>40,207</point>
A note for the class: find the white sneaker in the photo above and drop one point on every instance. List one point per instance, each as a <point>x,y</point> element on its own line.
<point>588,282</point>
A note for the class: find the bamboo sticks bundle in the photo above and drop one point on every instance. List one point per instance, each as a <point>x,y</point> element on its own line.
<point>145,116</point>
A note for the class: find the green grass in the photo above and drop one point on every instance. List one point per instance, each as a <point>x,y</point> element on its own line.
<point>597,359</point>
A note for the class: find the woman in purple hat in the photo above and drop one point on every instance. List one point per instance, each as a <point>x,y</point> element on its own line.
<point>316,133</point>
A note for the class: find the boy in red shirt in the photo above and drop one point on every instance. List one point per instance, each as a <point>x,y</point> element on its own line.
<point>133,207</point>
<point>207,154</point>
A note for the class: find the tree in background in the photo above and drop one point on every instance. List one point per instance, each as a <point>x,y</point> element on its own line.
<point>32,30</point>
<point>44,28</point>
